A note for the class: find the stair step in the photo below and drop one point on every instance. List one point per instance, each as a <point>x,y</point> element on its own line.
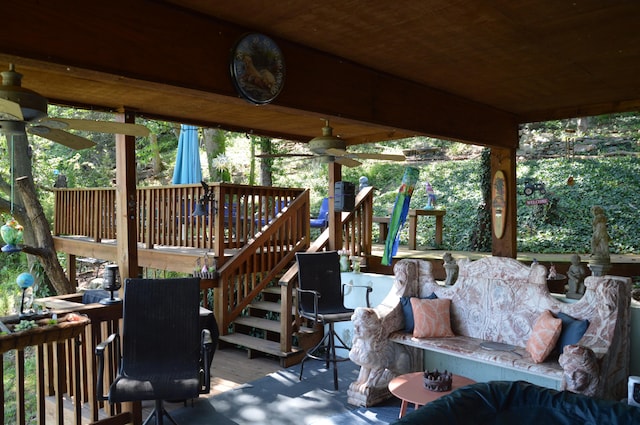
<point>272,290</point>
<point>266,306</point>
<point>259,323</point>
<point>258,344</point>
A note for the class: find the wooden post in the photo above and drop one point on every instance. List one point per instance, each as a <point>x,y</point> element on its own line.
<point>335,218</point>
<point>126,215</point>
<point>504,159</point>
<point>126,203</point>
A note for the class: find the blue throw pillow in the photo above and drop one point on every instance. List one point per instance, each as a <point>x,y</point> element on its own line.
<point>408,311</point>
<point>572,330</point>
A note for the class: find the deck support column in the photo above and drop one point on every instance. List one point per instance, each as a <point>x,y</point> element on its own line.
<point>504,160</point>
<point>126,213</point>
<point>335,218</point>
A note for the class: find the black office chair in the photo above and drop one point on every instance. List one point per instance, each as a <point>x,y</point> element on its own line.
<point>320,295</point>
<point>165,355</point>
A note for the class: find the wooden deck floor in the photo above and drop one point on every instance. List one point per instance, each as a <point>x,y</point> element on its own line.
<point>230,369</point>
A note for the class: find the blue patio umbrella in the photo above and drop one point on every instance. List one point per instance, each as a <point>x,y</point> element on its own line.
<point>188,169</point>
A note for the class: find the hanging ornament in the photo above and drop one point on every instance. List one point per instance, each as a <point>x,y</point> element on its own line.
<point>11,233</point>
<point>24,281</point>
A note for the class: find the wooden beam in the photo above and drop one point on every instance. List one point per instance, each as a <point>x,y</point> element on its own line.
<point>156,43</point>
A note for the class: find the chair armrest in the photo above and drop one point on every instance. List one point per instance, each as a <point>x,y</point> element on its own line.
<point>206,343</point>
<point>100,348</point>
<point>316,297</point>
<point>351,285</point>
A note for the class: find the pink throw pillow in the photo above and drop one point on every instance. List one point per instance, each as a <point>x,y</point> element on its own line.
<point>544,336</point>
<point>431,317</point>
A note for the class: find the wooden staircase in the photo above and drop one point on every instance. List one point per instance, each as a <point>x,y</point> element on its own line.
<point>258,330</point>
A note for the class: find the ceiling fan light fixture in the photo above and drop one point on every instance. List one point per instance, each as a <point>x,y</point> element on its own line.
<point>32,105</point>
<point>320,144</point>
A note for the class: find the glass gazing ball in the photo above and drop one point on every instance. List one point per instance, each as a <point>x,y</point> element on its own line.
<point>25,280</point>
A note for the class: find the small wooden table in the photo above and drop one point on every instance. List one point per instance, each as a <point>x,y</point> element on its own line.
<point>410,389</point>
<point>413,224</point>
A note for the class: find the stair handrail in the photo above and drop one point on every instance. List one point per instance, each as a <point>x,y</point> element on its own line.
<point>287,234</point>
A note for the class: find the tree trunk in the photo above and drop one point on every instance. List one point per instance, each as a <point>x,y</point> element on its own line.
<point>45,250</point>
<point>214,144</point>
<point>266,163</point>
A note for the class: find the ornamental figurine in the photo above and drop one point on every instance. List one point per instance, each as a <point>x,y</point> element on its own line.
<point>575,278</point>
<point>600,260</point>
<point>431,197</point>
<point>451,268</point>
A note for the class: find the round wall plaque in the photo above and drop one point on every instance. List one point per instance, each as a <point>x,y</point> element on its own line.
<point>257,68</point>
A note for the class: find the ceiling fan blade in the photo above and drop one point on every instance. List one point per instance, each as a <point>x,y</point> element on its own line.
<point>59,136</point>
<point>381,156</point>
<point>348,162</point>
<point>97,126</point>
<point>10,110</point>
<point>283,155</point>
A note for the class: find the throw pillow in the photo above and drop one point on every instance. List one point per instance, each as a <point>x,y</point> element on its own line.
<point>408,312</point>
<point>544,336</point>
<point>432,318</point>
<point>572,330</point>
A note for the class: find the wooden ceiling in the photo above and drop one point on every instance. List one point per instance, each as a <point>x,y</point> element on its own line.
<point>380,70</point>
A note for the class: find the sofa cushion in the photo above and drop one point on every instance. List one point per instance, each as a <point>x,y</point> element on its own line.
<point>522,403</point>
<point>432,318</point>
<point>572,330</point>
<point>544,336</point>
<point>407,310</point>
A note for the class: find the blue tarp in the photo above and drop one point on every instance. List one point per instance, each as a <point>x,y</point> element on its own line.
<point>188,169</point>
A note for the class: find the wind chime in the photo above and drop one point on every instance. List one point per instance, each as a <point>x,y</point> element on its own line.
<point>12,234</point>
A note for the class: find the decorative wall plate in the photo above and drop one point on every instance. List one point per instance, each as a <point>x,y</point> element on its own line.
<point>257,68</point>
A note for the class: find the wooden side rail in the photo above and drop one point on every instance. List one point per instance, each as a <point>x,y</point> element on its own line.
<point>63,342</point>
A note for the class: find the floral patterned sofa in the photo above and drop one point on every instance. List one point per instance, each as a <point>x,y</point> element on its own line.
<point>497,300</point>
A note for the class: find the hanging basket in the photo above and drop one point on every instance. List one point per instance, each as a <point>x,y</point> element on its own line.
<point>205,267</point>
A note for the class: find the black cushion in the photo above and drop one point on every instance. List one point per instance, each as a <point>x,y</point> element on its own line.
<point>520,403</point>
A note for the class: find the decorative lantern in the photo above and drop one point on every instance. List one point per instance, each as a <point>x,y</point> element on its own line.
<point>111,283</point>
<point>12,232</point>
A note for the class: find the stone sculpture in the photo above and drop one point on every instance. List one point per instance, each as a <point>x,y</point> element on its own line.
<point>600,261</point>
<point>575,277</point>
<point>450,268</point>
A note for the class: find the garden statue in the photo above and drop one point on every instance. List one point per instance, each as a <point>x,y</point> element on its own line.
<point>600,261</point>
<point>450,268</point>
<point>575,276</point>
<point>363,182</point>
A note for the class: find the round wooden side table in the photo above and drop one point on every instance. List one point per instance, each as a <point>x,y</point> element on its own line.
<point>410,389</point>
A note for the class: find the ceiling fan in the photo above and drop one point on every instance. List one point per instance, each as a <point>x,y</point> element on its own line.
<point>23,109</point>
<point>332,148</point>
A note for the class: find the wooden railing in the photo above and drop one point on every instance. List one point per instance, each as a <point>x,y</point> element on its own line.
<point>262,260</point>
<point>235,215</point>
<point>237,220</point>
<point>64,362</point>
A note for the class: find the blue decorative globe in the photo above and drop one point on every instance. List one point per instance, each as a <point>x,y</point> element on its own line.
<point>25,280</point>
